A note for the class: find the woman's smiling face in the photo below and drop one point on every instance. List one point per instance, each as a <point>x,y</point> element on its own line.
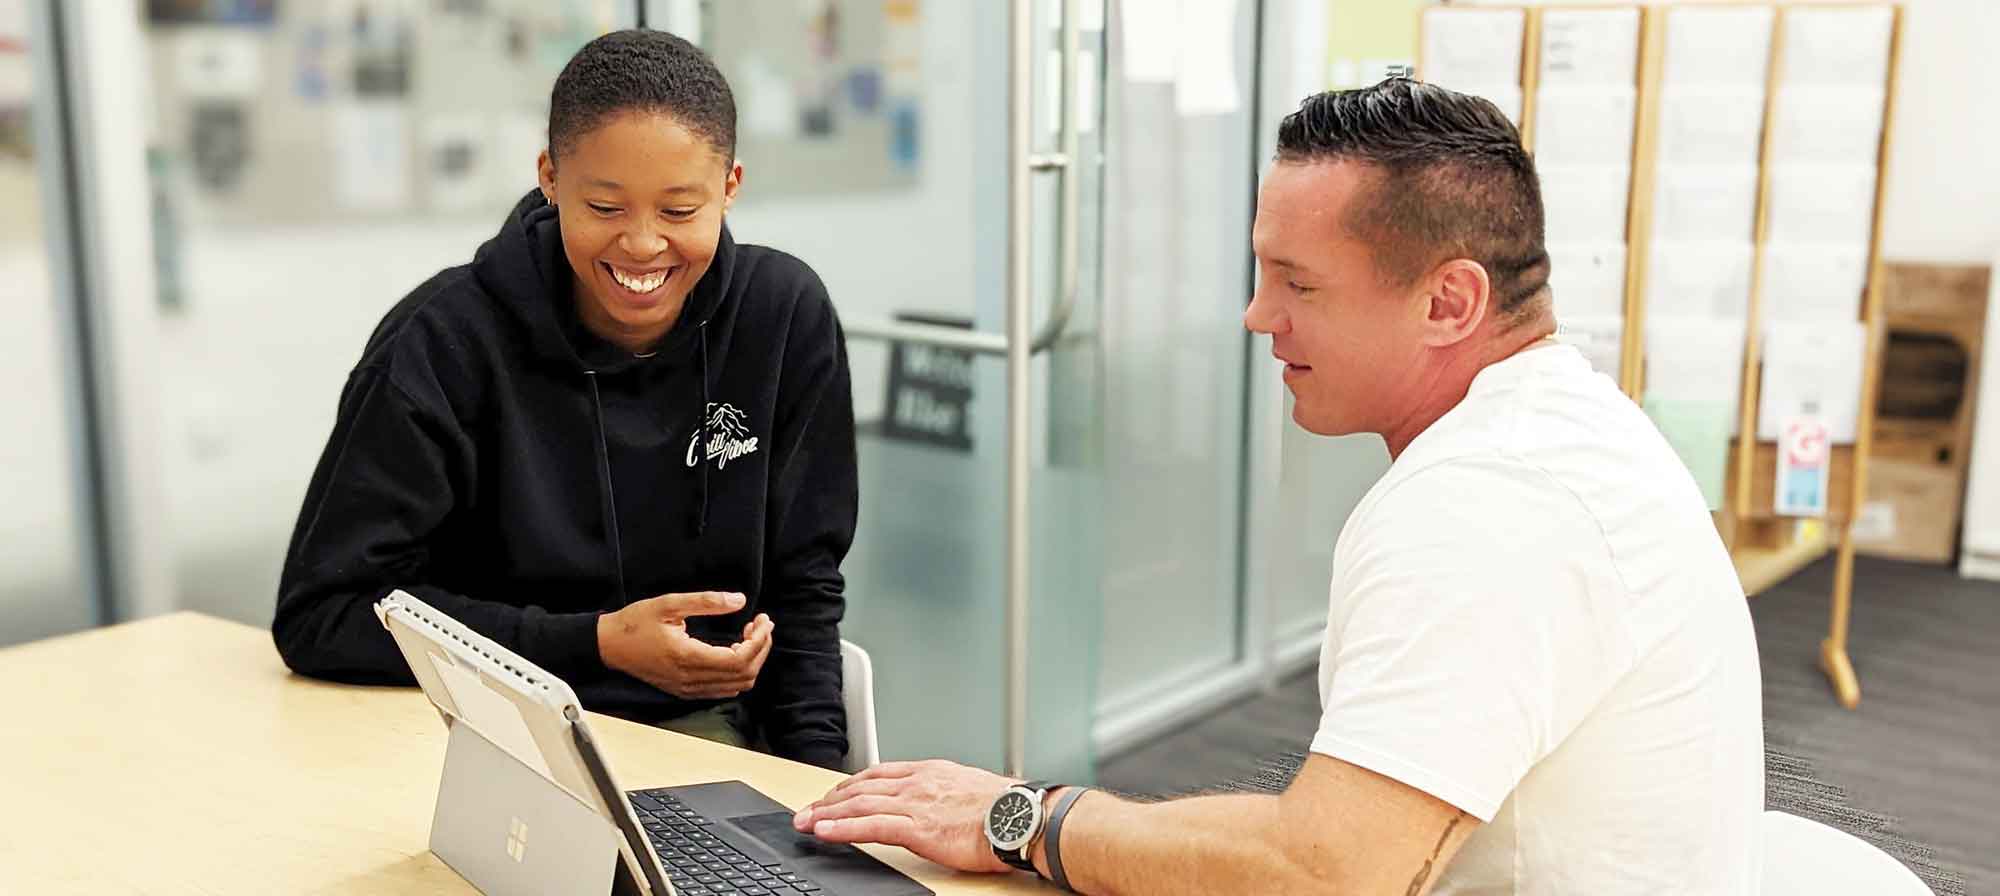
<point>640,198</point>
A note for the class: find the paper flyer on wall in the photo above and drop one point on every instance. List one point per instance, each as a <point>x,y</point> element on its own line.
<point>1589,46</point>
<point>1710,124</point>
<point>1205,81</point>
<point>1718,45</point>
<point>1814,282</point>
<point>1584,125</point>
<point>371,149</point>
<point>1694,368</point>
<point>1827,125</point>
<point>1600,338</point>
<point>1587,279</point>
<point>1827,45</point>
<point>1812,370</point>
<point>1465,47</point>
<point>1151,36</point>
<point>1708,278</point>
<point>1705,202</point>
<point>1821,203</point>
<point>1584,203</point>
<point>1804,462</point>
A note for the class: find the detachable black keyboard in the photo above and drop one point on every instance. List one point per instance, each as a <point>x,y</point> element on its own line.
<point>698,863</point>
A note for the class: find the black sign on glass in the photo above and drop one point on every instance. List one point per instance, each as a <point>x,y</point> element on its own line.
<point>930,389</point>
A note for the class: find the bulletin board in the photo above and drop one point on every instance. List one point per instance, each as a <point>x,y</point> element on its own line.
<point>827,92</point>
<point>355,110</point>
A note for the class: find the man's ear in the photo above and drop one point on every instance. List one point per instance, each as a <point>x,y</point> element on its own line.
<point>1458,293</point>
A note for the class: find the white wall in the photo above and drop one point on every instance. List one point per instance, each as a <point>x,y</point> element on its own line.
<point>1944,181</point>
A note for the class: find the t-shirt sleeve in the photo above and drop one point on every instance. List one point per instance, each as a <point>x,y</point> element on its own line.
<point>1474,624</point>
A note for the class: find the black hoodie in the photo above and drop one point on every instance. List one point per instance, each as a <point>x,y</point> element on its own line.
<point>495,459</point>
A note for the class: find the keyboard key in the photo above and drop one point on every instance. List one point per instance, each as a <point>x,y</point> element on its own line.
<point>806,887</point>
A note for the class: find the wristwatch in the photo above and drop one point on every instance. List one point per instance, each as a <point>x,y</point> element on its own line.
<point>1015,821</point>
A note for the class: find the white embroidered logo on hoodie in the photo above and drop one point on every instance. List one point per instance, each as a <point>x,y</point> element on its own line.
<point>729,437</point>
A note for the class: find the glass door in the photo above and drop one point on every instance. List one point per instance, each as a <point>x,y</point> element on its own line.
<point>1179,171</point>
<point>45,586</point>
<point>876,146</point>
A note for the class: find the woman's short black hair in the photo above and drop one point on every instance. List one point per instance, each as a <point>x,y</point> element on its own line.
<point>1453,181</point>
<point>641,70</point>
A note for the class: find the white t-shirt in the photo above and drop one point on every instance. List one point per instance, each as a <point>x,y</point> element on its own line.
<point>1533,619</point>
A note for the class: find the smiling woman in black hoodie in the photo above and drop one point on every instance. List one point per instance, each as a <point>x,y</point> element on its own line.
<point>618,442</point>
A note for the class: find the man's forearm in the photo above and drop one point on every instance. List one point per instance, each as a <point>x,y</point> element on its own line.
<point>1235,843</point>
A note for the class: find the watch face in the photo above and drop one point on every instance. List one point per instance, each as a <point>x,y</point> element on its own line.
<point>1011,820</point>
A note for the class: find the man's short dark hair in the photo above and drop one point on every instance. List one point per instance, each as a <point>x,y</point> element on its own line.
<point>640,70</point>
<point>1454,181</point>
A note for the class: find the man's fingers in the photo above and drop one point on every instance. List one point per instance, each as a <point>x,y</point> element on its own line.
<point>881,770</point>
<point>862,805</point>
<point>847,790</point>
<point>871,787</point>
<point>895,830</point>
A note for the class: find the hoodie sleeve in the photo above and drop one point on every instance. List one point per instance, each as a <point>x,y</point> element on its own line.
<point>392,472</point>
<point>814,501</point>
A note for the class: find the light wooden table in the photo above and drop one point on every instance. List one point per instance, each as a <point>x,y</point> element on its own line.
<point>177,755</point>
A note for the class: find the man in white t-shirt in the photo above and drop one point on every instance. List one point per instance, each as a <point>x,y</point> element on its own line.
<point>1539,674</point>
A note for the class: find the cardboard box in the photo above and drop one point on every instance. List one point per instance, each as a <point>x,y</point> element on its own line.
<point>1955,292</point>
<point>1912,512</point>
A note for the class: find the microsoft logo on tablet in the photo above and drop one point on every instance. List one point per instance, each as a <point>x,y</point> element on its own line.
<point>517,839</point>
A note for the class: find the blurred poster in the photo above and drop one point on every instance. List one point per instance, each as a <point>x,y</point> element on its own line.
<point>211,12</point>
<point>1205,66</point>
<point>829,92</point>
<point>454,160</point>
<point>381,48</point>
<point>15,84</point>
<point>371,170</point>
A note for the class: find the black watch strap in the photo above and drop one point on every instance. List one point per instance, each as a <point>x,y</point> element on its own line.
<point>1052,836</point>
<point>1017,859</point>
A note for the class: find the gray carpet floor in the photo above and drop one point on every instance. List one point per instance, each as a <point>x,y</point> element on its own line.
<point>1919,760</point>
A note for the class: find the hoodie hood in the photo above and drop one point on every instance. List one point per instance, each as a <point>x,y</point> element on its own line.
<point>524,269</point>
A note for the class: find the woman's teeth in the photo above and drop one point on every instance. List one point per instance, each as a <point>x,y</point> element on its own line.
<point>642,285</point>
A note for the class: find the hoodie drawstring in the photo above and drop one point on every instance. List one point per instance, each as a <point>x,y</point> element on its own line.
<point>701,432</point>
<point>608,497</point>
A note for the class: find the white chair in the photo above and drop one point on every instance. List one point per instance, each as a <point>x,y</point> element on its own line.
<point>857,673</point>
<point>1805,857</point>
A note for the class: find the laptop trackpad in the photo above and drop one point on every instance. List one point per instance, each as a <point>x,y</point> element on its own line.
<point>838,866</point>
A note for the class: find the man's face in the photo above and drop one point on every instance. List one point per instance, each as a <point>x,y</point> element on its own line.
<point>1349,341</point>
